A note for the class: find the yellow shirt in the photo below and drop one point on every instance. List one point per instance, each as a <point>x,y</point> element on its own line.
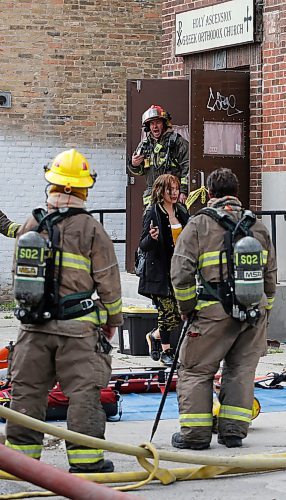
<point>176,231</point>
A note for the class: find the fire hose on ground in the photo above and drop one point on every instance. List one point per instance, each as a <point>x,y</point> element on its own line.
<point>208,466</point>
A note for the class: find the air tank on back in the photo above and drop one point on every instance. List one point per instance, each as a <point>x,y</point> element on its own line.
<point>248,271</point>
<point>29,278</point>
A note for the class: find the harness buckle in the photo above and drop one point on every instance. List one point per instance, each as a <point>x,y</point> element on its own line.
<point>87,304</point>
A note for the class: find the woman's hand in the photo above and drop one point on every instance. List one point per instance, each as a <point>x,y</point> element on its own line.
<point>154,232</point>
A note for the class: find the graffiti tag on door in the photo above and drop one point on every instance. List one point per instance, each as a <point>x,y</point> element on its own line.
<point>219,102</point>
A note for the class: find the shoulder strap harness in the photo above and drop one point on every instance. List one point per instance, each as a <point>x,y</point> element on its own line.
<point>224,290</point>
<point>52,306</point>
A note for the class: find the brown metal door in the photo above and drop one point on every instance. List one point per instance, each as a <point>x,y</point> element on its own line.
<point>219,125</point>
<point>172,95</point>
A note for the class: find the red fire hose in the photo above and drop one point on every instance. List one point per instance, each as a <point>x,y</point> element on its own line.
<point>55,480</point>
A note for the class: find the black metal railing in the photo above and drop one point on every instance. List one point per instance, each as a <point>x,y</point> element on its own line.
<point>102,212</point>
<point>273,216</point>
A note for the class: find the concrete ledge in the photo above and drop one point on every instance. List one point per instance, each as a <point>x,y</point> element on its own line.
<point>130,295</point>
<point>277,323</point>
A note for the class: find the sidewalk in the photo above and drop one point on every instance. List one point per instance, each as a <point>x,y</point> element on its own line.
<point>267,435</point>
<point>9,328</point>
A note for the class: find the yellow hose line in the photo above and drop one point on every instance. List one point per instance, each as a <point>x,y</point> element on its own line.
<point>255,462</point>
<point>153,470</point>
<point>181,474</point>
<point>210,466</point>
<point>27,494</point>
<point>194,195</point>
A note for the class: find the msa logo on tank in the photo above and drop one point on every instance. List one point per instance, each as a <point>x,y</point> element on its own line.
<point>248,271</point>
<point>249,275</point>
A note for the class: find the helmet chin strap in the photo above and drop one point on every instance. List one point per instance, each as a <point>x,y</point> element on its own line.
<point>47,191</point>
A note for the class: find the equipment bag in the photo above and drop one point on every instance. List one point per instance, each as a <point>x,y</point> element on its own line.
<point>242,290</point>
<point>58,403</point>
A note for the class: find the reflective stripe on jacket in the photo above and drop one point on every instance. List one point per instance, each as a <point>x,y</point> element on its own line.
<point>7,227</point>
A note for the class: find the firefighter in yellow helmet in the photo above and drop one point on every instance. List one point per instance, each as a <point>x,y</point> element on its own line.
<point>162,151</point>
<point>64,333</point>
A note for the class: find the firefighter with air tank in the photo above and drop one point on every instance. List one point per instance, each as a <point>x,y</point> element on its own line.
<point>223,272</point>
<point>67,288</point>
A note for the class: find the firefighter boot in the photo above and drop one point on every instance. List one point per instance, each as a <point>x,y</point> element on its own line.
<point>101,466</point>
<point>230,441</point>
<point>178,441</point>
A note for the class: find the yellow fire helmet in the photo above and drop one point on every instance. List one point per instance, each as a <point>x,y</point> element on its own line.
<point>70,169</point>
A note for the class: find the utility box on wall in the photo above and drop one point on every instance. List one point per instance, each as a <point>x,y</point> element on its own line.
<point>5,99</point>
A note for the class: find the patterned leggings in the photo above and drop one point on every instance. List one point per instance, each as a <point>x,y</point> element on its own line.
<point>168,316</point>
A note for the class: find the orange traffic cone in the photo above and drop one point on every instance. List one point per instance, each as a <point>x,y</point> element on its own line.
<point>4,353</point>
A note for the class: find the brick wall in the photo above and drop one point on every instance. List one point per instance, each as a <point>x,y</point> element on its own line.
<point>267,66</point>
<point>274,86</point>
<point>66,63</point>
<point>266,63</point>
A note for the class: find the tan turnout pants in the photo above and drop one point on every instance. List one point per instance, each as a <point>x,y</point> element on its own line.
<point>41,359</point>
<point>240,346</point>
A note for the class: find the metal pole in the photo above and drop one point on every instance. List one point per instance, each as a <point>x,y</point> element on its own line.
<point>170,377</point>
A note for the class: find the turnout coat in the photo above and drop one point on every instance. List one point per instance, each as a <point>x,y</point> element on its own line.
<point>198,247</point>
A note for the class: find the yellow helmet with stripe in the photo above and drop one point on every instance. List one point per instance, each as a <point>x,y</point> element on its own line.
<point>71,170</point>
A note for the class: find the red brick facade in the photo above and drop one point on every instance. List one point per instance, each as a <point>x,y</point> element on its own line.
<point>266,63</point>
<point>66,63</point>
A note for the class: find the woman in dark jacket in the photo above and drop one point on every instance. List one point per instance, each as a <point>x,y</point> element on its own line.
<point>163,221</point>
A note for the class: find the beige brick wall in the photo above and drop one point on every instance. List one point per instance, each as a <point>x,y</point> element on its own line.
<point>66,63</point>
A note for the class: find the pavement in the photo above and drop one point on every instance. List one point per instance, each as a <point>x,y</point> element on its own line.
<point>267,435</point>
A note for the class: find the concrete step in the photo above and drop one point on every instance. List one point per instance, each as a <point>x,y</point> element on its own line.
<point>130,296</point>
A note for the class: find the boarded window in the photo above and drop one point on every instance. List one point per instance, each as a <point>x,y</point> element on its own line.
<point>223,139</point>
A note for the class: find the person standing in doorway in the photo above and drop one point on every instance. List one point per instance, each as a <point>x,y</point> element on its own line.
<point>163,151</point>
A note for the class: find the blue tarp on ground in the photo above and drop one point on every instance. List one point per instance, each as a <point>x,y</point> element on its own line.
<point>145,406</point>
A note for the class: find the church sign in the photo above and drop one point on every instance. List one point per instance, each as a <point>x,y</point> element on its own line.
<point>217,26</point>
